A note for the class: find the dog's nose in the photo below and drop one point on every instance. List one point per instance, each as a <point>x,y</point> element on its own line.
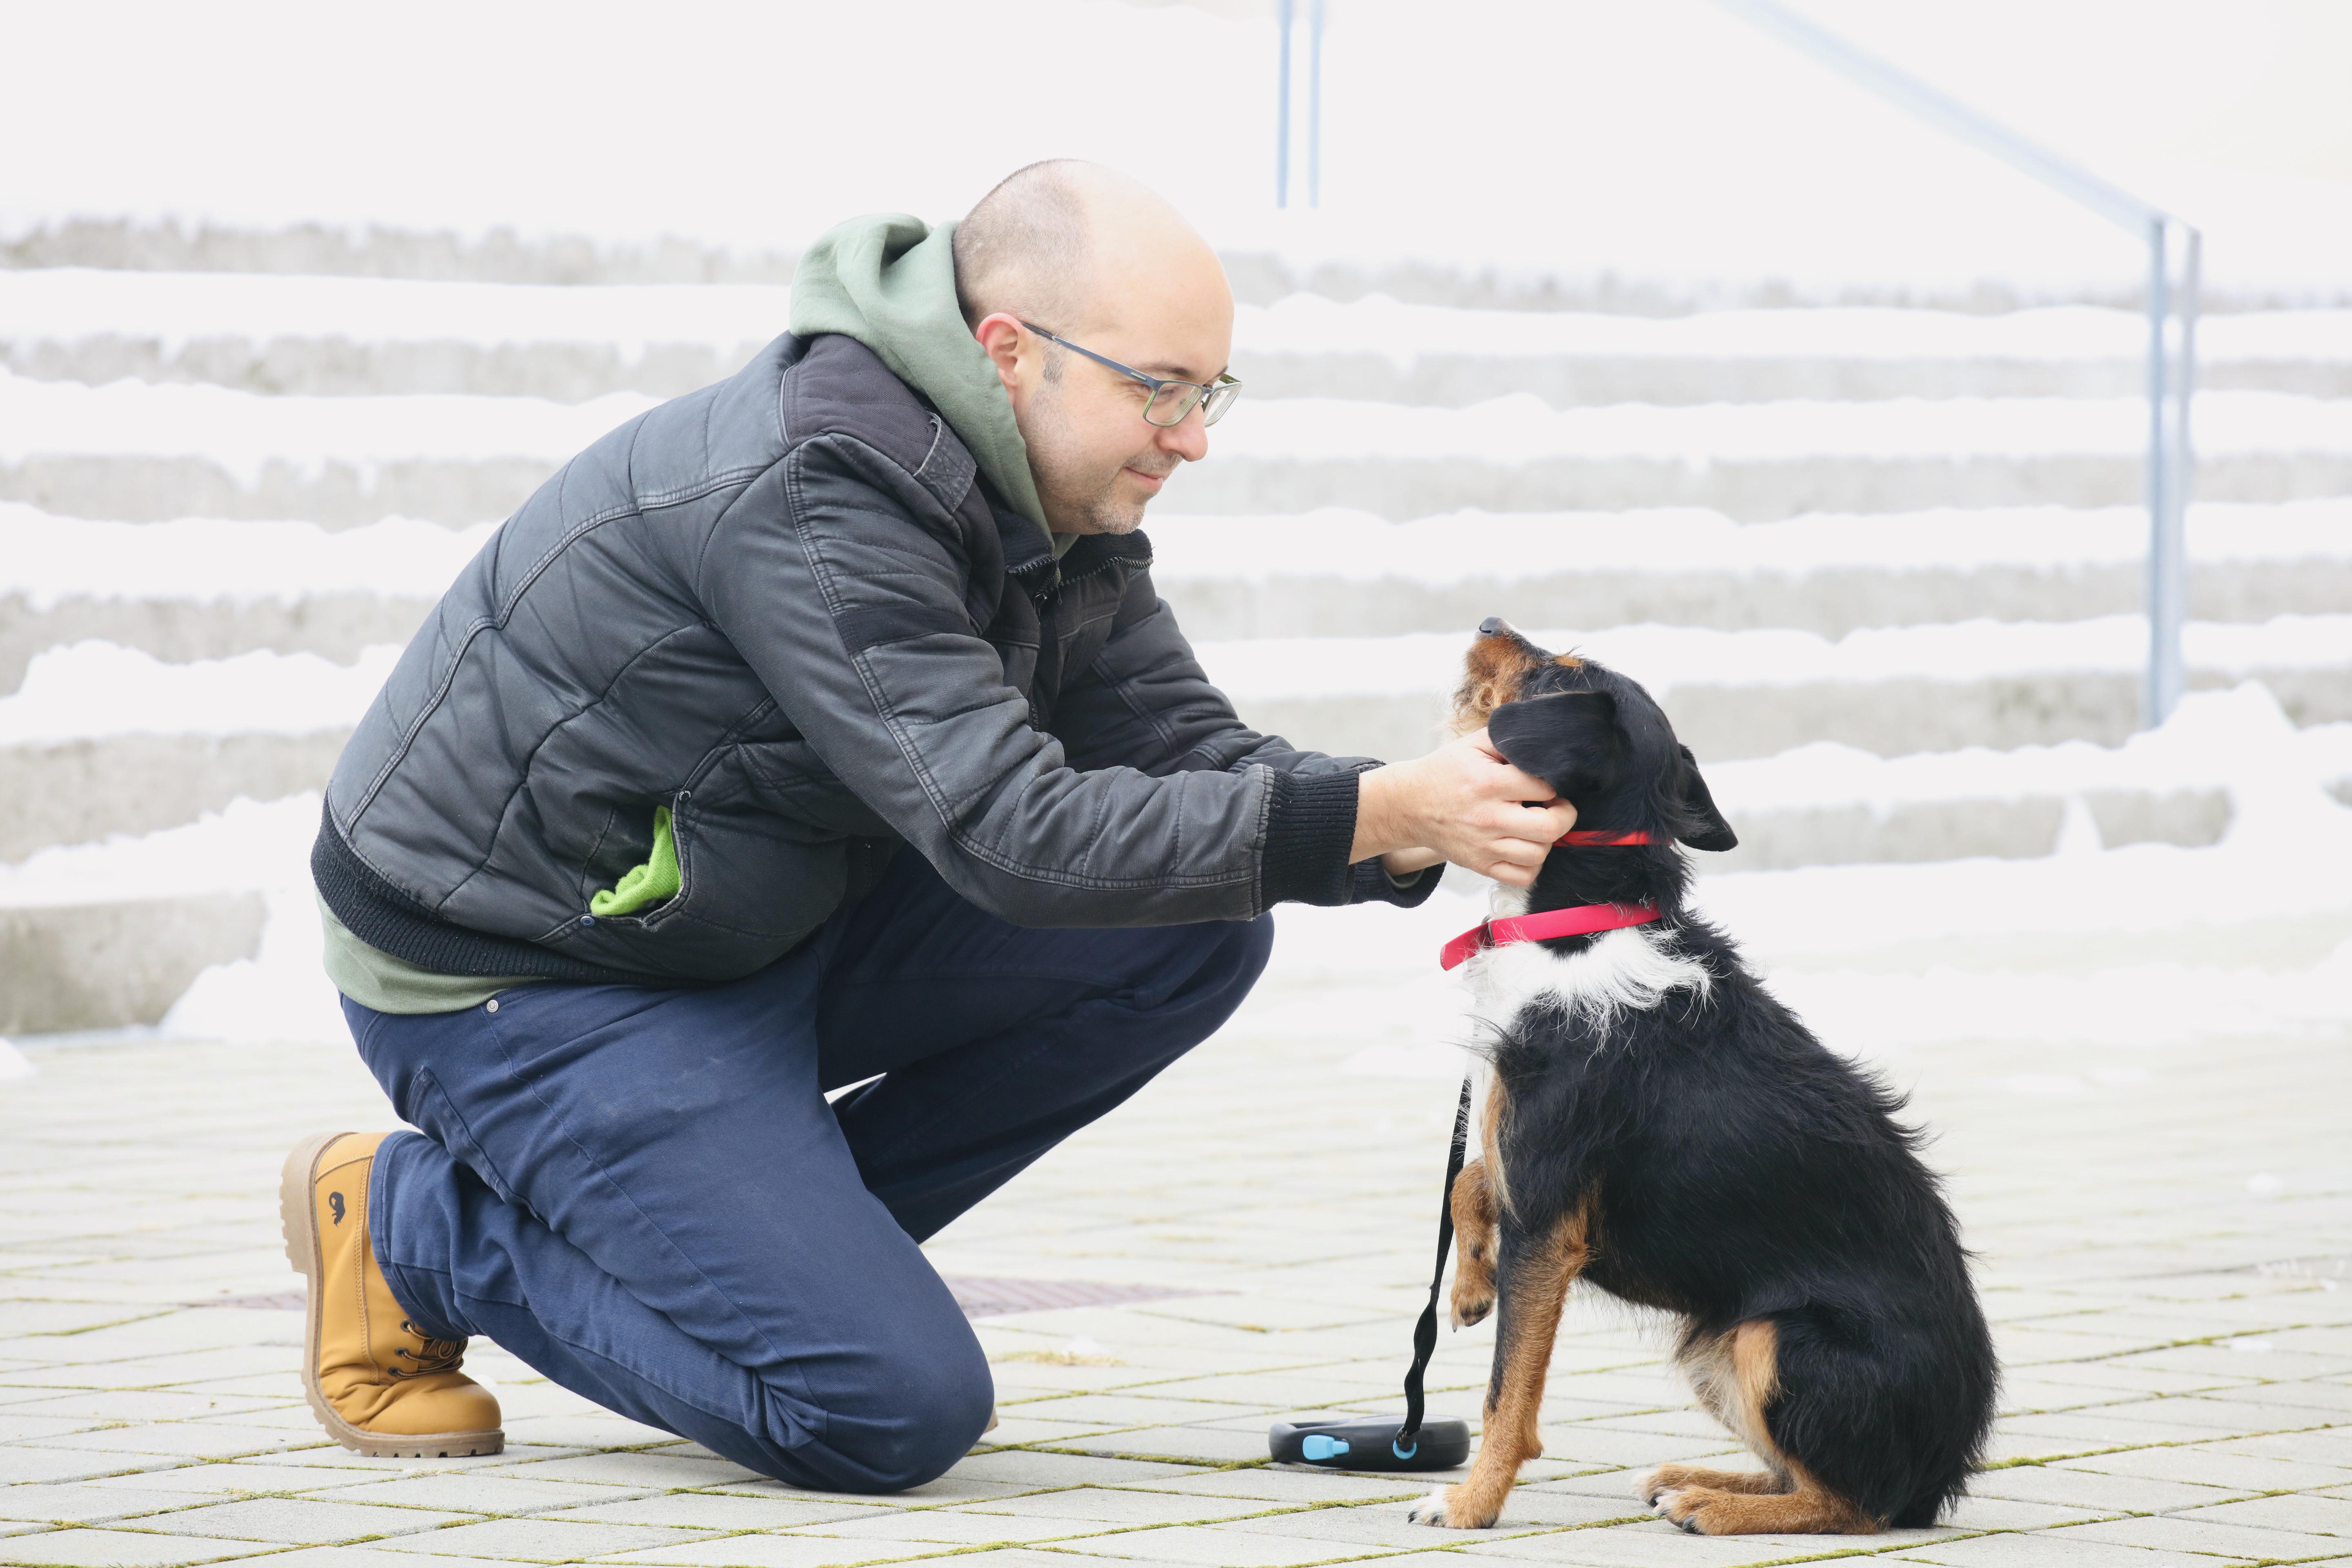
<point>1493,626</point>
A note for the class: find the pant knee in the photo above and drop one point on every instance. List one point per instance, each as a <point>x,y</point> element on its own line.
<point>940,1423</point>
<point>1251,945</point>
<point>907,1425</point>
<point>1236,955</point>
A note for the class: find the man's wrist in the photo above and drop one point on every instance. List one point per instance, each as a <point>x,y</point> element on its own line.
<point>1380,828</point>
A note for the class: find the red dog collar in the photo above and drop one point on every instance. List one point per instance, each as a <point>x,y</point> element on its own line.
<point>1580,919</point>
<point>1599,836</point>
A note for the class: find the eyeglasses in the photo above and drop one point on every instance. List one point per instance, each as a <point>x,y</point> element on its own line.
<point>1171,400</point>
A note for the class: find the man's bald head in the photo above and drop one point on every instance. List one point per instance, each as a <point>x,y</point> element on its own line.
<point>1050,243</point>
<point>1096,260</point>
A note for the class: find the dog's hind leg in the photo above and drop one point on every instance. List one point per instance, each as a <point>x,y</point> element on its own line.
<point>1534,1274</point>
<point>1698,1499</point>
<point>1713,1366</point>
<point>1676,1477</point>
<point>1474,1230</point>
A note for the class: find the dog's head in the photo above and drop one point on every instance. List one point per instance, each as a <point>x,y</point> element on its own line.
<point>1592,734</point>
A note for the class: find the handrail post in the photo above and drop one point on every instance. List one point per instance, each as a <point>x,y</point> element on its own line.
<point>1282,19</point>
<point>1315,103</point>
<point>2156,679</point>
<point>2171,471</point>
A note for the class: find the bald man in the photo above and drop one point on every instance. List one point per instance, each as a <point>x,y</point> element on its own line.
<point>818,729</point>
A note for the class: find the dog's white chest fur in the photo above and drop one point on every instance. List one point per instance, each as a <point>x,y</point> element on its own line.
<point>1627,969</point>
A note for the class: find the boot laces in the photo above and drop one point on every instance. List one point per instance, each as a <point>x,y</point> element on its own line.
<point>438,1355</point>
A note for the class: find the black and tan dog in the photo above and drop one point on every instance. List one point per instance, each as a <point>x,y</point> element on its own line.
<point>1657,1125</point>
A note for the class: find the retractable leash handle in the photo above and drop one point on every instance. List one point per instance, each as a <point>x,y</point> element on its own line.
<point>1379,1442</point>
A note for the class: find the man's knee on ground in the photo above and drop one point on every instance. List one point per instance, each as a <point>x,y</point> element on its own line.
<point>910,1426</point>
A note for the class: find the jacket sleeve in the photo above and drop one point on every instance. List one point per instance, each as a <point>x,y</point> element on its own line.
<point>1145,702</point>
<point>839,576</point>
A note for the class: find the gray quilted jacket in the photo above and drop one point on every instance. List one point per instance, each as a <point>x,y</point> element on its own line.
<point>787,607</point>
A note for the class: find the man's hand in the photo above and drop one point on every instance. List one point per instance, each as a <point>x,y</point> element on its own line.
<point>1462,802</point>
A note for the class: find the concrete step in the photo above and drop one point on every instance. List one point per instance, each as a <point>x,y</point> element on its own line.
<point>71,792</point>
<point>108,965</point>
<point>494,255</point>
<point>107,935</point>
<point>334,626</point>
<point>366,336</point>
<point>136,452</point>
<point>1379,349</point>
<point>1733,695</point>
<point>1341,573</point>
<point>1824,803</point>
<point>103,740</point>
<point>343,336</point>
<point>204,588</point>
<point>1756,462</point>
<point>1260,276</point>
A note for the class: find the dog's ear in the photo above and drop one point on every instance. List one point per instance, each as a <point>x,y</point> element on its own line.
<point>1572,740</point>
<point>1704,827</point>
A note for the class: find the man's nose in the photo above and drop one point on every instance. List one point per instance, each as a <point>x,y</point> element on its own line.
<point>1188,437</point>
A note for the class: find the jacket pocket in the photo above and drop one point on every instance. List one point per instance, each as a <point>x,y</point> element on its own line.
<point>653,881</point>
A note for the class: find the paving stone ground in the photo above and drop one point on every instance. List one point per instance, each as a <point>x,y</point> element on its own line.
<point>2165,1245</point>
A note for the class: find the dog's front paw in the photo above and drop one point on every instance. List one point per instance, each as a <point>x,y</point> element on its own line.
<point>1471,1306</point>
<point>1445,1509</point>
<point>1473,1286</point>
<point>1684,1508</point>
<point>1664,1479</point>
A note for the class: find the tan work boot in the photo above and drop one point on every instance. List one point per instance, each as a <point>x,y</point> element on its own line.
<point>378,1383</point>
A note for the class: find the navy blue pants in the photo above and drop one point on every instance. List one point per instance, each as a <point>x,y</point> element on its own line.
<point>644,1194</point>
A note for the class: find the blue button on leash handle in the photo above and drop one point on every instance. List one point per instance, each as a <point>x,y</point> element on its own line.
<point>1383,1442</point>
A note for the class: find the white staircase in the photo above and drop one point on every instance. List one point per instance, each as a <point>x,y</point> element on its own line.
<point>1882,565</point>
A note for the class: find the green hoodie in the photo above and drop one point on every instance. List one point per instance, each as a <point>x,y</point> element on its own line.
<point>889,282</point>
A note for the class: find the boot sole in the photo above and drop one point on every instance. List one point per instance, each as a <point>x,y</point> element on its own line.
<point>298,1215</point>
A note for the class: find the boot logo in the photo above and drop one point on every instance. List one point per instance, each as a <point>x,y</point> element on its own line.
<point>335,1202</point>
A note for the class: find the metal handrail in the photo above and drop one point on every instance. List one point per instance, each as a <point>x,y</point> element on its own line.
<point>2171,383</point>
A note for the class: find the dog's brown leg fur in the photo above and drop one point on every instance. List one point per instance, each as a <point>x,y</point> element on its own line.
<point>1473,1231</point>
<point>1811,1508</point>
<point>1727,1502</point>
<point>1534,1293</point>
<point>1674,1477</point>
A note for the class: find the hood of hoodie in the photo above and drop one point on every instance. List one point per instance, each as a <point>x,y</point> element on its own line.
<point>888,280</point>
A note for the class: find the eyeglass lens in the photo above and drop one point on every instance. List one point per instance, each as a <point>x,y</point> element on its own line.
<point>1170,401</point>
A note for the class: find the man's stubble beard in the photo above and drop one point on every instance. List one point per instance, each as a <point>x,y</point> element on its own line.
<point>1069,485</point>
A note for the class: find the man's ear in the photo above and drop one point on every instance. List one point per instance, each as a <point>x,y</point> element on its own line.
<point>1704,827</point>
<point>1000,338</point>
<point>1571,741</point>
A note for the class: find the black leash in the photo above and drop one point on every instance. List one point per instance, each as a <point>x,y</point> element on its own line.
<point>1382,1442</point>
<point>1425,1333</point>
